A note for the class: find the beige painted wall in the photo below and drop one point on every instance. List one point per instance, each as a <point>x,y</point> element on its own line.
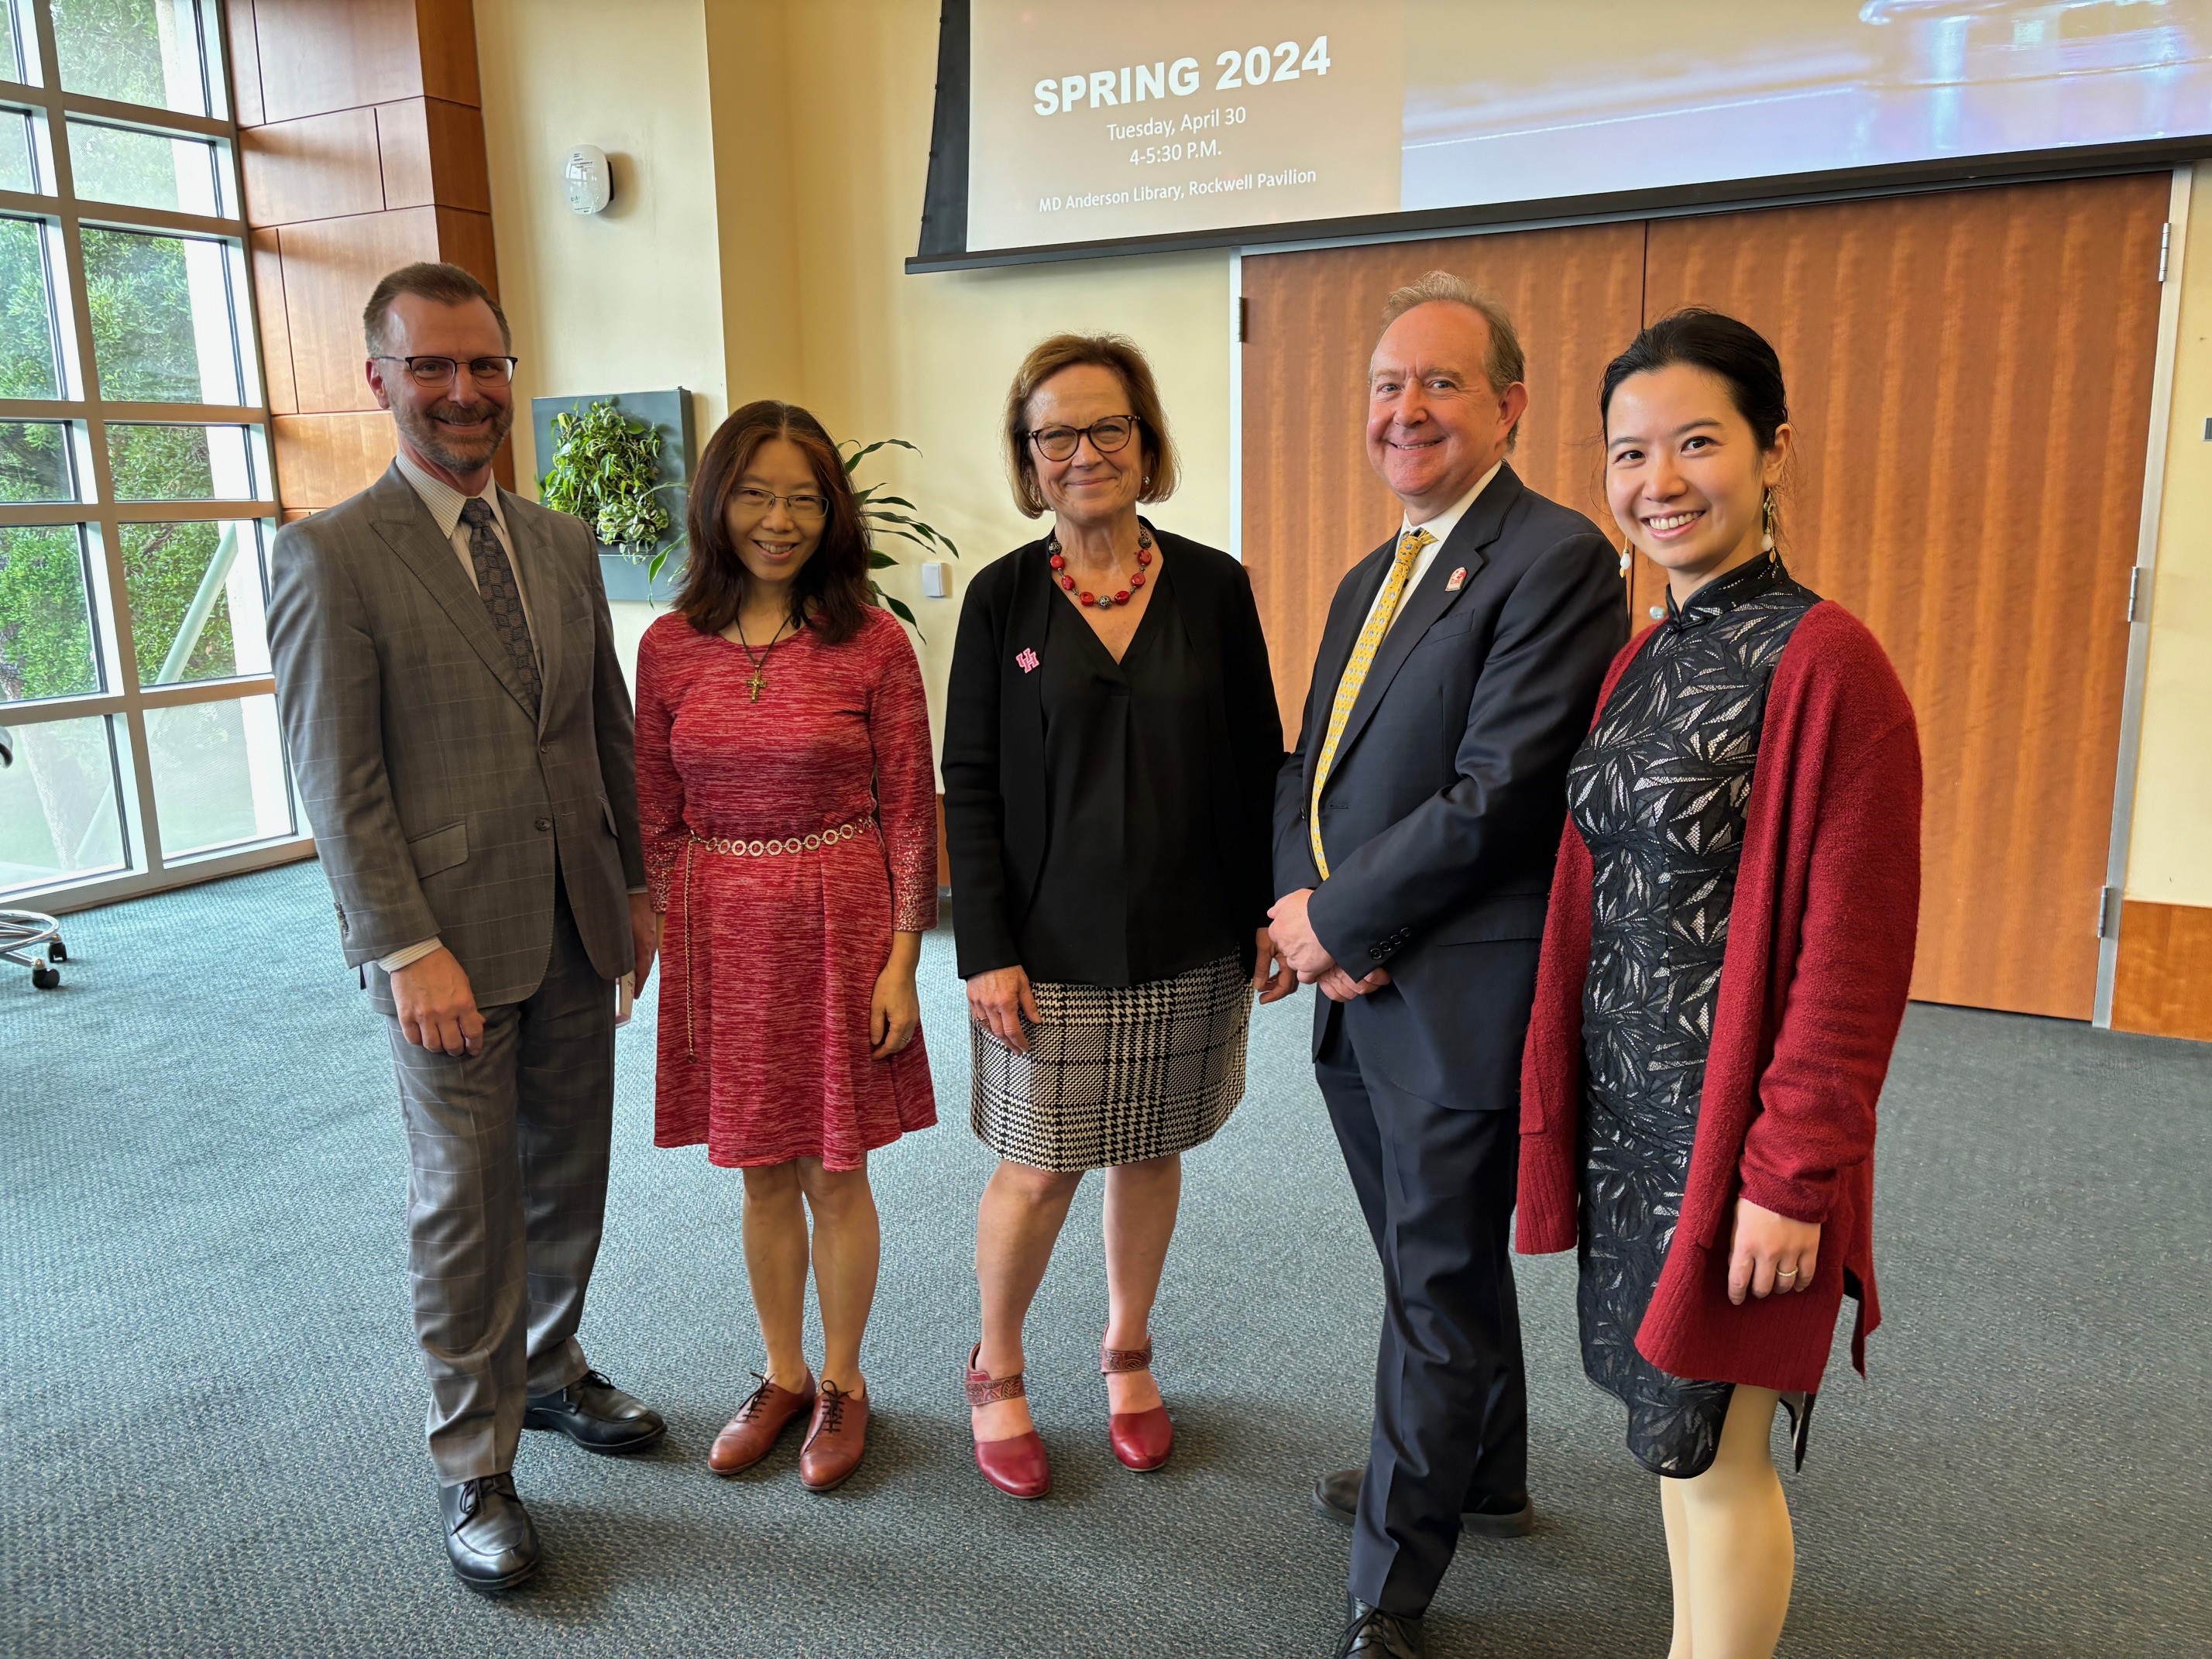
<point>629,299</point>
<point>2170,849</point>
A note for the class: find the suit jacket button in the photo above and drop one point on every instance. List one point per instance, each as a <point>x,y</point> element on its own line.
<point>545,825</point>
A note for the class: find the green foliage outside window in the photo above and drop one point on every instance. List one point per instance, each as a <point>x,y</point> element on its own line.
<point>145,349</point>
<point>114,48</point>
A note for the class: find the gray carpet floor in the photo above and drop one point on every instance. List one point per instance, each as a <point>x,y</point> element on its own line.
<point>212,1406</point>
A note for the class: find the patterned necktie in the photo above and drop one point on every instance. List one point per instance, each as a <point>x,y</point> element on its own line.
<point>1355,674</point>
<point>502,598</point>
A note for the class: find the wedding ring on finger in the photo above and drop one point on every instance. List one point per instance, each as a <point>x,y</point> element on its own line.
<point>1781,1273</point>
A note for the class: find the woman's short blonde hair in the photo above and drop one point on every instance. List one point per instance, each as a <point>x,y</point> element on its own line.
<point>1112,351</point>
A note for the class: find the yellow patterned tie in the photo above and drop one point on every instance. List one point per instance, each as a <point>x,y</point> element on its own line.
<point>1355,674</point>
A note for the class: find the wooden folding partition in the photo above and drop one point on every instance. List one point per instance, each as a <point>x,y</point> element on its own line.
<point>1970,375</point>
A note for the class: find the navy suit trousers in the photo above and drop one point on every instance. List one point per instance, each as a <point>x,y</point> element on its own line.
<point>1451,1409</point>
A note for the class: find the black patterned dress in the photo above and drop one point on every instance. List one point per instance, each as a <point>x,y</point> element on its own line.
<point>1659,793</point>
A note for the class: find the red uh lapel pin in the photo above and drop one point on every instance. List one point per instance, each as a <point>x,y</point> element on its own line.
<point>1027,661</point>
<point>1458,580</point>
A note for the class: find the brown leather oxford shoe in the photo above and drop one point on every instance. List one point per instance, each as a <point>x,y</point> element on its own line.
<point>836,1440</point>
<point>760,1423</point>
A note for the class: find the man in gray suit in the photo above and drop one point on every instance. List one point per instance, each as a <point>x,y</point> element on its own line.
<point>461,732</point>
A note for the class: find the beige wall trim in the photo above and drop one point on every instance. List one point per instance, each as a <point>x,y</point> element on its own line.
<point>2154,503</point>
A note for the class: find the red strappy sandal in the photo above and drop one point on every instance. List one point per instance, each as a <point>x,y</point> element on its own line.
<point>1142,1440</point>
<point>1017,1466</point>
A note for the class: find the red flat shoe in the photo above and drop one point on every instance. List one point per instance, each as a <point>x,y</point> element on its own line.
<point>1017,1467</point>
<point>1142,1440</point>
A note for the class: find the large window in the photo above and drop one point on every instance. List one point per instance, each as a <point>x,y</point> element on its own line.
<point>135,493</point>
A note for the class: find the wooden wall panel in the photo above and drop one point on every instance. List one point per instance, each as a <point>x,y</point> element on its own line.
<point>1970,374</point>
<point>316,55</point>
<point>275,329</point>
<point>363,150</point>
<point>317,166</point>
<point>244,51</point>
<point>447,30</point>
<point>2164,985</point>
<point>433,152</point>
<point>1312,506</point>
<point>465,240</point>
<point>323,459</point>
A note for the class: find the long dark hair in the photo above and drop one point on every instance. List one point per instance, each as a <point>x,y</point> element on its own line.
<point>831,594</point>
<point>1720,345</point>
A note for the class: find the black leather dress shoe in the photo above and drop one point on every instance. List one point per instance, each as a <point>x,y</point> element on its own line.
<point>1376,1634</point>
<point>1336,1495</point>
<point>597,1416</point>
<point>489,1537</point>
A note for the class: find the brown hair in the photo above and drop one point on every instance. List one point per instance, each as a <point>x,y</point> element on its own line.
<point>1505,364</point>
<point>1113,351</point>
<point>831,594</point>
<point>448,285</point>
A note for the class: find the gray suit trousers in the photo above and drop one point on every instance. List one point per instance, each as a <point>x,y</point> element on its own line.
<point>506,1192</point>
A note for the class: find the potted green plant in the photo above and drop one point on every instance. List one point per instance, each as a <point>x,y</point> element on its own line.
<point>885,514</point>
<point>606,470</point>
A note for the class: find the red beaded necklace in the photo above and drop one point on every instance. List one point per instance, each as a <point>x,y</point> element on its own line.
<point>1104,601</point>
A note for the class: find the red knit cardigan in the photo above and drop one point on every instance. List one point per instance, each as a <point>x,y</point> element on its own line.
<point>1813,988</point>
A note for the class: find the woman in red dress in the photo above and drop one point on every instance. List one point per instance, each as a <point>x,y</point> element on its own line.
<point>789,808</point>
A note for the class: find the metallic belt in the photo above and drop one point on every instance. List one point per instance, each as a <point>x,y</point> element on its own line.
<point>768,850</point>
<point>748,849</point>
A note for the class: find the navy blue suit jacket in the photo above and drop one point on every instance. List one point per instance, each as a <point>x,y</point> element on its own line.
<point>1442,815</point>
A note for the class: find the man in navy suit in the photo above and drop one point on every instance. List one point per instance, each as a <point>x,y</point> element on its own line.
<point>1415,827</point>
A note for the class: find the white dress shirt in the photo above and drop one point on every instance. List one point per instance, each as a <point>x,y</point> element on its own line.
<point>1441,527</point>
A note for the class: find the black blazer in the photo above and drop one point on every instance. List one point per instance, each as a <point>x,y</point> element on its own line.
<point>1444,806</point>
<point>995,800</point>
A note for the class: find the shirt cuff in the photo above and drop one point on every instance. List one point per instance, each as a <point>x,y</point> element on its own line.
<point>411,954</point>
<point>635,892</point>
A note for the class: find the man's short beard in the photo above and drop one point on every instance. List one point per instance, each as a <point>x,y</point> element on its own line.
<point>430,437</point>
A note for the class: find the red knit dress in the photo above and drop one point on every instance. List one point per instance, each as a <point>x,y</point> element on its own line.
<point>772,947</point>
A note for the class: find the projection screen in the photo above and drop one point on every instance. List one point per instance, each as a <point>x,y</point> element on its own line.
<point>1067,129</point>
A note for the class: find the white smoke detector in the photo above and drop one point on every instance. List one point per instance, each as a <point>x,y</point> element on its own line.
<point>585,177</point>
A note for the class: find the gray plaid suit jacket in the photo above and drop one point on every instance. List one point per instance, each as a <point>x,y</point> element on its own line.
<point>438,806</point>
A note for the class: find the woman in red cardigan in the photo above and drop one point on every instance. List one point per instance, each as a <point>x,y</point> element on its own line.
<point>1724,968</point>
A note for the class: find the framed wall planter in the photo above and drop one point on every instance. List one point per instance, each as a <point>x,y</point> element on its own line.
<point>668,415</point>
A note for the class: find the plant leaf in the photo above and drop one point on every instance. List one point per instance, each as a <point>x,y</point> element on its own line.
<point>909,536</point>
<point>884,516</point>
<point>866,450</point>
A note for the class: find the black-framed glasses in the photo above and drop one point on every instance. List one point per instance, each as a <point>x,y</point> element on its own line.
<point>1060,443</point>
<point>440,371</point>
<point>805,506</point>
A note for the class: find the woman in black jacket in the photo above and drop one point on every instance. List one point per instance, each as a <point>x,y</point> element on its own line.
<point>1111,746</point>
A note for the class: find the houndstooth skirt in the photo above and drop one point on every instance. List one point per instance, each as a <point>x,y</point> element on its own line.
<point>1116,1074</point>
